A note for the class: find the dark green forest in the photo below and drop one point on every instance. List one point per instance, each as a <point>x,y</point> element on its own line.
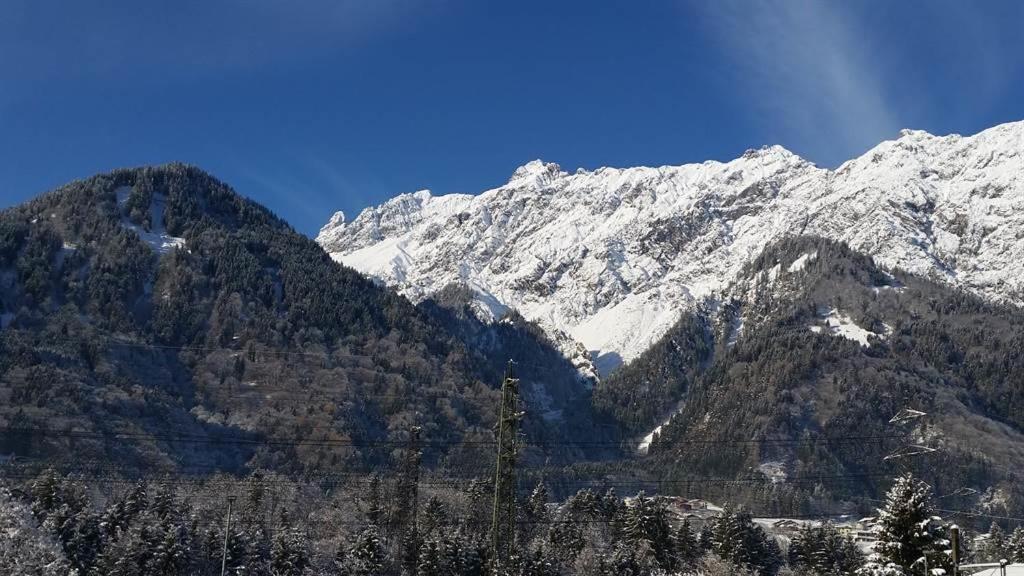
<point>820,405</point>
<point>111,350</point>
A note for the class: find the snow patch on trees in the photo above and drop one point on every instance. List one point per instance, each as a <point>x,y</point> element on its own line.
<point>157,236</point>
<point>26,548</point>
<point>801,262</point>
<point>840,324</point>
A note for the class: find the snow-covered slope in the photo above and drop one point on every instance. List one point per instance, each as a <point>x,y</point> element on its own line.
<point>612,256</point>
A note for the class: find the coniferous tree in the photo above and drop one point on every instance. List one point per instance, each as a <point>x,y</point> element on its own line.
<point>429,562</point>
<point>288,553</point>
<point>737,539</point>
<point>909,531</point>
<point>432,517</point>
<point>535,514</point>
<point>1015,545</point>
<point>537,504</point>
<point>996,546</point>
<point>368,555</point>
<point>612,507</point>
<point>163,503</point>
<point>477,507</point>
<point>687,547</point>
<point>374,506</point>
<point>706,538</point>
<point>171,555</point>
<point>628,560</point>
<point>537,564</point>
<point>646,526</point>
<point>25,547</point>
<point>822,550</point>
<point>341,563</point>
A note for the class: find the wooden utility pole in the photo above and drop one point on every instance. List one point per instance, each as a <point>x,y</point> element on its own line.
<point>954,533</point>
<point>411,475</point>
<point>408,500</point>
<point>227,530</point>
<point>503,519</point>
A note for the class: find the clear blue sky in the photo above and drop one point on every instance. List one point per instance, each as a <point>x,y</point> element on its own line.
<point>319,105</point>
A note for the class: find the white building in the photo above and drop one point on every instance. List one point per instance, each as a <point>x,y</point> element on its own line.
<point>1011,570</point>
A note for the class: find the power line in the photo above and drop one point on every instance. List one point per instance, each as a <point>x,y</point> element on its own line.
<point>306,441</point>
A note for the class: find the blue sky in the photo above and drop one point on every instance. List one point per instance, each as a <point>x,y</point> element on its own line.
<point>320,105</point>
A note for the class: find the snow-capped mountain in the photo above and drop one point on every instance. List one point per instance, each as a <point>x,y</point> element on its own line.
<point>612,256</point>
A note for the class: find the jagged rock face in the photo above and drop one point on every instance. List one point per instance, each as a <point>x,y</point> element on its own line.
<point>611,257</point>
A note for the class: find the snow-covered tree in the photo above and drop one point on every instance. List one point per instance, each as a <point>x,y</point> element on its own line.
<point>823,550</point>
<point>429,562</point>
<point>288,553</point>
<point>368,555</point>
<point>631,560</point>
<point>877,566</point>
<point>25,548</point>
<point>646,527</point>
<point>432,518</point>
<point>909,532</point>
<point>374,505</point>
<point>687,547</point>
<point>737,539</point>
<point>1015,545</point>
<point>537,504</point>
<point>996,545</point>
<point>172,553</point>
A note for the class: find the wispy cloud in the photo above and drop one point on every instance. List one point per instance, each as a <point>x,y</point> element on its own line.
<point>43,39</point>
<point>806,66</point>
<point>306,187</point>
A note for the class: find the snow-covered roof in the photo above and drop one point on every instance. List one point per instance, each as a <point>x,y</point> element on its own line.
<point>1011,570</point>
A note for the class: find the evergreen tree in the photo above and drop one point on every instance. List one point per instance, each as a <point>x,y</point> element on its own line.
<point>1015,545</point>
<point>646,525</point>
<point>706,540</point>
<point>876,566</point>
<point>26,548</point>
<point>628,560</point>
<point>687,547</point>
<point>537,504</point>
<point>46,494</point>
<point>537,564</point>
<point>368,555</point>
<point>535,514</point>
<point>341,562</point>
<point>824,551</point>
<point>374,506</point>
<point>240,560</point>
<point>613,509</point>
<point>432,517</point>
<point>996,546</point>
<point>172,553</point>
<point>565,540</point>
<point>909,531</point>
<point>163,503</point>
<point>737,539</point>
<point>429,562</point>
<point>288,553</point>
<point>476,512</point>
<point>800,548</point>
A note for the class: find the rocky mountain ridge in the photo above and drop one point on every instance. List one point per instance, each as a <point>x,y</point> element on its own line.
<point>610,258</point>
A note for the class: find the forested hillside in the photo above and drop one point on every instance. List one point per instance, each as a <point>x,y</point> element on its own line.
<point>154,318</point>
<point>815,350</point>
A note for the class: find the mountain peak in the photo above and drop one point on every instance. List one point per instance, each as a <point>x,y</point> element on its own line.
<point>535,173</point>
<point>772,150</point>
<point>337,220</point>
